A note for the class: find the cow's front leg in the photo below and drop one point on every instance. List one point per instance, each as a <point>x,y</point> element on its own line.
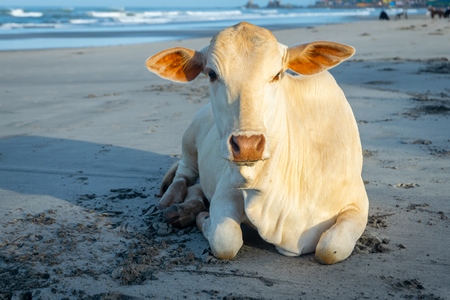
<point>222,225</point>
<point>184,214</point>
<point>181,200</point>
<point>338,242</point>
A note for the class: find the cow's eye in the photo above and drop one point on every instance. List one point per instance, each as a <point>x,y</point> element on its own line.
<point>212,75</point>
<point>276,77</point>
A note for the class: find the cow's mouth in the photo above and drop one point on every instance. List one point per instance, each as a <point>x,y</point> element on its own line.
<point>245,163</point>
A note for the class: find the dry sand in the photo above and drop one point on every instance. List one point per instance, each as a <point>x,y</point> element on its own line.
<point>86,135</point>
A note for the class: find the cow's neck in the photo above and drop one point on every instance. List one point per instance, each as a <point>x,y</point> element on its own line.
<point>268,195</point>
<point>289,175</point>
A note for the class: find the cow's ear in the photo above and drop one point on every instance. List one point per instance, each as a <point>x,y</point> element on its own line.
<point>313,58</point>
<point>176,64</point>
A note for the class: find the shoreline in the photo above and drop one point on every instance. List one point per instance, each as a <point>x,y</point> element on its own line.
<point>99,36</point>
<point>88,133</point>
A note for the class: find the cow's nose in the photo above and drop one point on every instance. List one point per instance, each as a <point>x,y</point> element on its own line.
<point>247,148</point>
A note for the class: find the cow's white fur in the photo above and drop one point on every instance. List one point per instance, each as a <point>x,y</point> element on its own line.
<point>306,193</point>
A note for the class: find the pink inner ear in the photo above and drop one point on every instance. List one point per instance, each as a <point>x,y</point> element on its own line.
<point>177,64</point>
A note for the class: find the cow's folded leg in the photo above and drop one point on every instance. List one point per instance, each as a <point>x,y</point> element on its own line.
<point>222,230</point>
<point>337,243</point>
<point>168,179</point>
<point>175,194</point>
<point>184,214</point>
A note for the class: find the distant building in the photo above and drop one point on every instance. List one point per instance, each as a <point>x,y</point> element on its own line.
<point>376,3</point>
<point>439,3</point>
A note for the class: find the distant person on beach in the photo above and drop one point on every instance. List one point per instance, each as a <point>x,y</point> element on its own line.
<point>436,11</point>
<point>404,12</point>
<point>447,12</point>
<point>384,15</point>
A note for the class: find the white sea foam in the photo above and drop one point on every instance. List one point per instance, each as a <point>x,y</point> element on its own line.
<point>82,21</point>
<point>160,13</point>
<point>110,14</point>
<point>149,17</point>
<point>203,14</point>
<point>161,17</point>
<point>19,13</point>
<point>144,20</point>
<point>264,11</point>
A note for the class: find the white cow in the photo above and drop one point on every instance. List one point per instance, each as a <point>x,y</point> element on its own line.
<point>277,150</point>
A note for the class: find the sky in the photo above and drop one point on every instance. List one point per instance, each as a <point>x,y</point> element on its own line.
<point>144,3</point>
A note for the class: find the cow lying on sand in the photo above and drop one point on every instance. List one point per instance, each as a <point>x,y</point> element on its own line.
<point>274,149</point>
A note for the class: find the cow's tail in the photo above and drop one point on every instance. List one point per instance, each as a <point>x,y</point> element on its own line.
<point>168,178</point>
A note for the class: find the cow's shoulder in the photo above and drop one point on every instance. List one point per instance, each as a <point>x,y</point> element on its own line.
<point>203,119</point>
<point>201,124</point>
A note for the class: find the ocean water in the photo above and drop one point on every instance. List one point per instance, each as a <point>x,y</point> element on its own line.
<point>23,28</point>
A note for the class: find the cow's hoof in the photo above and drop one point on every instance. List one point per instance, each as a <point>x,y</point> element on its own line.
<point>201,218</point>
<point>183,215</point>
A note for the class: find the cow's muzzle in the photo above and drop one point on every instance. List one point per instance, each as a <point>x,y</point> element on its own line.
<point>247,148</point>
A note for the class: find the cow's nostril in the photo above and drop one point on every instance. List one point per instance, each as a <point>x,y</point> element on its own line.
<point>260,143</point>
<point>234,144</point>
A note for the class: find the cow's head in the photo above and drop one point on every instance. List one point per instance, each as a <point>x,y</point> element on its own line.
<point>246,67</point>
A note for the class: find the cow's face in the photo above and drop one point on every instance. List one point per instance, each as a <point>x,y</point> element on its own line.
<point>245,67</point>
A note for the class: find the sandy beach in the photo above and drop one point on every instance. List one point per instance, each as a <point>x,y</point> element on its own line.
<point>87,134</point>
